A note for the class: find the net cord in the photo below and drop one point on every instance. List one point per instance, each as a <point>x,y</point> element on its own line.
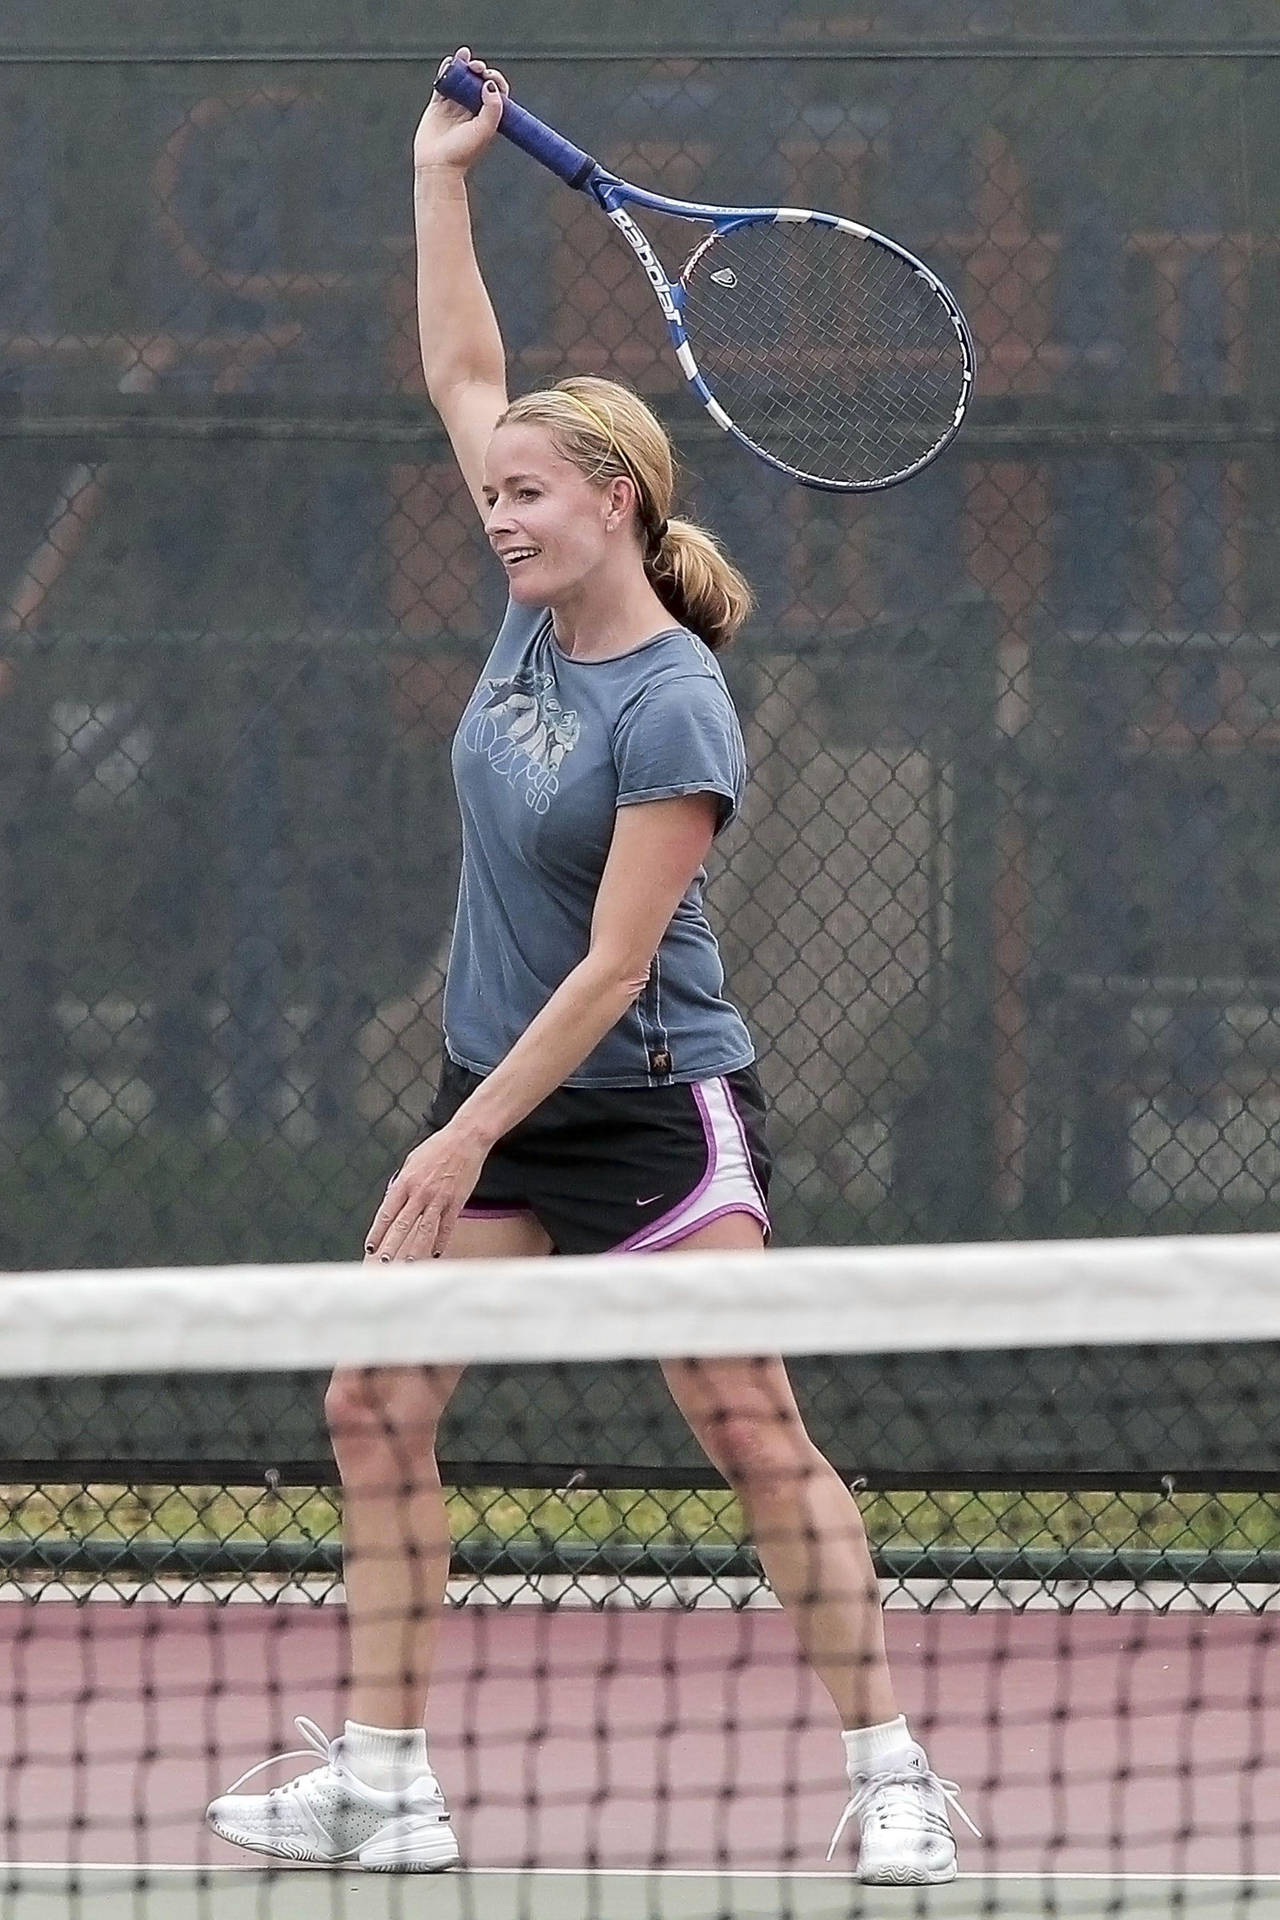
<point>871,1300</point>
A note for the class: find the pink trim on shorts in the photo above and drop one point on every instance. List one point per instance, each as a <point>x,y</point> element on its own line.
<point>696,1226</point>
<point>673,1213</point>
<point>493,1213</point>
<point>740,1195</point>
<point>746,1149</point>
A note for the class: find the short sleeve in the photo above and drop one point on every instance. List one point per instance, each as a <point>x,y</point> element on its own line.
<point>681,735</point>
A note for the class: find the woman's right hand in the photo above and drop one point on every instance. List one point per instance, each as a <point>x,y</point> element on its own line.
<point>448,135</point>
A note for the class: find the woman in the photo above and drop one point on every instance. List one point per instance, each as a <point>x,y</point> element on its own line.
<point>598,1091</point>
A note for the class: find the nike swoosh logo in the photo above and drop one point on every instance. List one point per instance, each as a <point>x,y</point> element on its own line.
<point>649,1202</point>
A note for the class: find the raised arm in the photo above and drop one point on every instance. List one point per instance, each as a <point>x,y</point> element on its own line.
<point>462,353</point>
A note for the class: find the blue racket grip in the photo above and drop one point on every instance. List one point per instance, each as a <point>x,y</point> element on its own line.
<point>542,142</point>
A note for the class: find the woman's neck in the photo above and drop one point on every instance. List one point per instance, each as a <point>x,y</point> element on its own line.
<point>604,618</point>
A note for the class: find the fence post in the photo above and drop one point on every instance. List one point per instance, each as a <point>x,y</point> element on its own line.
<point>30,1038</point>
<point>256,859</point>
<point>944,1151</point>
<point>347,872</point>
<point>180,897</point>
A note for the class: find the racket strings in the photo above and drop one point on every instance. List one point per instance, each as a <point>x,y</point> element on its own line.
<point>828,351</point>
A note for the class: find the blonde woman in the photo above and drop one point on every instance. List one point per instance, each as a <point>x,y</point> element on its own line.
<point>599,1091</point>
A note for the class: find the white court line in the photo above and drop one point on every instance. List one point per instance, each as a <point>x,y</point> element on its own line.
<point>599,1593</point>
<point>145,1870</point>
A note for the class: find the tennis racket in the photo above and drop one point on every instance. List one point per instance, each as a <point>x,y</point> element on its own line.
<point>828,350</point>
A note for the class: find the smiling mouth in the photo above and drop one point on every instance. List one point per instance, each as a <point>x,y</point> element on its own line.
<point>518,555</point>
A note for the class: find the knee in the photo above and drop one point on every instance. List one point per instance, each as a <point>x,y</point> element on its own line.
<point>761,1453</point>
<point>382,1412</point>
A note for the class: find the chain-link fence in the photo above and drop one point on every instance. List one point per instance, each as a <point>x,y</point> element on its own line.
<point>1001,911</point>
<point>1096,1473</point>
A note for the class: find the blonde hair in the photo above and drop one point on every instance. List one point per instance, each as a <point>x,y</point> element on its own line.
<point>609,433</point>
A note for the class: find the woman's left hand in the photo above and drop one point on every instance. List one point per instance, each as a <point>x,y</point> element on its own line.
<point>424,1200</point>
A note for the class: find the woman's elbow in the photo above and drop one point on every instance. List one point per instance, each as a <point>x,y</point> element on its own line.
<point>623,973</point>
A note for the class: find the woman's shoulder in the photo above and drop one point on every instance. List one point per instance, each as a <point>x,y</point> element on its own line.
<point>680,654</point>
<point>678,676</point>
<point>521,624</point>
<point>520,633</point>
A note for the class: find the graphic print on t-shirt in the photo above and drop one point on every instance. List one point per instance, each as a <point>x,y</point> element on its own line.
<point>522,730</point>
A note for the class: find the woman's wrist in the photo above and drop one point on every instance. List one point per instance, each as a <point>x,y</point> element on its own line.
<point>470,1128</point>
<point>444,173</point>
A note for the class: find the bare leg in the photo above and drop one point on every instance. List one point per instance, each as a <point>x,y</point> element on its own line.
<point>396,1542</point>
<point>803,1519</point>
<point>395,1533</point>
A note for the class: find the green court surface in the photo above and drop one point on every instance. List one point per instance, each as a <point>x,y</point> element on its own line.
<point>185,1893</point>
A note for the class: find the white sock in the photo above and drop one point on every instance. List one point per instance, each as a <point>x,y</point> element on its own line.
<point>385,1758</point>
<point>866,1747</point>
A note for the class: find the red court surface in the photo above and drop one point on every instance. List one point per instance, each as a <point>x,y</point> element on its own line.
<point>1085,1742</point>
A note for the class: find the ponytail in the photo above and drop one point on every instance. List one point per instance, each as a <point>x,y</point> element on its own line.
<point>697,583</point>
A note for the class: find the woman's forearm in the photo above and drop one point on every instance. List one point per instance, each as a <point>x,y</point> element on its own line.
<point>588,1004</point>
<point>457,327</point>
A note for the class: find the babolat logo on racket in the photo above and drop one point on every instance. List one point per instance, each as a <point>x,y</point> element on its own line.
<point>648,260</point>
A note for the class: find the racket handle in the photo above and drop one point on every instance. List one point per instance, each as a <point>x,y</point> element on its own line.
<point>459,84</point>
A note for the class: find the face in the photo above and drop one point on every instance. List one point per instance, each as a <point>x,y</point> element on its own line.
<point>547,523</point>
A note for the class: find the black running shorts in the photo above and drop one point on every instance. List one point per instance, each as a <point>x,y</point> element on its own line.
<point>624,1169</point>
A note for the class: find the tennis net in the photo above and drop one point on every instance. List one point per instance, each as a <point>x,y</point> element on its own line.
<point>1067,1456</point>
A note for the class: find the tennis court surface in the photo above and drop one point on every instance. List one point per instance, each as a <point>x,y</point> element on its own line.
<point>541,1895</point>
<point>623,1724</point>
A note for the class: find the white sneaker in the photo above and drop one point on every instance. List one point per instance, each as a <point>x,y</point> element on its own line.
<point>328,1816</point>
<point>900,1805</point>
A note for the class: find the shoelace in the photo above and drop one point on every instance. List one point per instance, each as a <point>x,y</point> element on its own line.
<point>318,1742</point>
<point>896,1778</point>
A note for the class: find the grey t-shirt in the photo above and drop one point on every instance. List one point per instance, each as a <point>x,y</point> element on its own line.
<point>546,751</point>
